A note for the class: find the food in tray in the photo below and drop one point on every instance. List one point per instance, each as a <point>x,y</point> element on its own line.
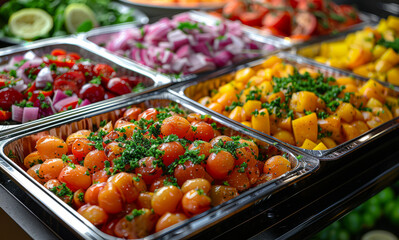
<point>32,87</point>
<point>297,19</point>
<point>151,169</point>
<point>183,45</point>
<point>371,52</point>
<point>301,106</point>
<point>30,19</point>
<point>182,3</point>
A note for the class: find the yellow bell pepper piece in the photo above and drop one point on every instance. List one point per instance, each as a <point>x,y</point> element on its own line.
<point>308,144</point>
<point>261,121</point>
<point>320,146</point>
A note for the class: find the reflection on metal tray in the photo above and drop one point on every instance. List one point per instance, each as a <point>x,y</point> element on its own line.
<point>194,90</point>
<point>101,36</point>
<point>151,80</point>
<point>22,144</point>
<point>139,19</point>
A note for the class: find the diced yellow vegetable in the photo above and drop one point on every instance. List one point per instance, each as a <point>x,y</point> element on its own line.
<point>305,128</point>
<point>271,61</point>
<point>346,112</point>
<point>320,146</point>
<point>382,26</point>
<point>349,131</point>
<point>374,122</point>
<point>382,66</point>
<point>303,101</point>
<point>393,22</point>
<point>244,74</point>
<point>358,56</point>
<point>286,124</point>
<point>382,112</point>
<point>338,49</point>
<point>331,124</point>
<point>246,123</point>
<point>378,51</point>
<point>372,103</point>
<point>361,126</point>
<point>285,136</point>
<point>392,101</point>
<point>345,81</point>
<point>320,59</point>
<point>308,144</point>
<point>261,122</point>
<point>226,99</point>
<point>236,114</point>
<point>205,100</point>
<point>328,142</point>
<point>390,56</point>
<point>393,76</point>
<point>250,106</point>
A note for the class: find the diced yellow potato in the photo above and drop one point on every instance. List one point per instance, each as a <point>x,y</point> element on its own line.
<point>374,121</point>
<point>338,49</point>
<point>382,66</point>
<point>393,22</point>
<point>261,122</point>
<point>378,51</point>
<point>286,124</point>
<point>320,146</point>
<point>393,76</point>
<point>236,114</point>
<point>382,112</point>
<point>345,81</point>
<point>349,131</point>
<point>244,74</point>
<point>361,126</point>
<point>346,112</point>
<point>382,26</point>
<point>285,136</point>
<point>392,101</point>
<point>390,56</point>
<point>305,128</point>
<point>250,106</point>
<point>372,103</point>
<point>331,124</point>
<point>328,142</point>
<point>308,144</point>
<point>303,101</point>
<point>271,61</point>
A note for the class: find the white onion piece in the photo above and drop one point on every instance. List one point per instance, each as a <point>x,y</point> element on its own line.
<point>29,55</point>
<point>20,85</point>
<point>17,113</point>
<point>29,114</point>
<point>43,77</point>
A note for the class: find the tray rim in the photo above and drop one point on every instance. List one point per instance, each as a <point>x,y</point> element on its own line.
<point>306,166</point>
<point>324,155</point>
<point>158,80</point>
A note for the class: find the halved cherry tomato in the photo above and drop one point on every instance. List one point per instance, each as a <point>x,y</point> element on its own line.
<point>74,76</point>
<point>105,71</point>
<point>253,19</point>
<point>58,52</point>
<point>306,24</point>
<point>92,92</point>
<point>8,97</point>
<point>65,85</point>
<point>233,9</point>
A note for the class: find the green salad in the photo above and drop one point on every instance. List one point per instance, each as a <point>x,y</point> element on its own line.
<point>35,19</point>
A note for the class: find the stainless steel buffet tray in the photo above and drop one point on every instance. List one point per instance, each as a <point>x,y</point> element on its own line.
<point>20,143</point>
<point>194,90</point>
<point>101,36</point>
<point>151,80</point>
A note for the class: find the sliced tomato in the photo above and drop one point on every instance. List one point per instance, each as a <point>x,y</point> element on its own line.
<point>312,5</point>
<point>75,76</point>
<point>58,52</point>
<point>109,95</point>
<point>8,97</point>
<point>254,18</point>
<point>63,85</point>
<point>69,106</point>
<point>85,68</point>
<point>294,3</point>
<point>280,22</point>
<point>351,14</point>
<point>306,24</point>
<point>5,115</point>
<point>105,71</point>
<point>30,89</point>
<point>36,93</point>
<point>233,9</point>
<point>73,56</point>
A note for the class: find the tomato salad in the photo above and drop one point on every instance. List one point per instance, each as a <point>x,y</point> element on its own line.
<point>151,169</point>
<point>32,87</point>
<point>297,19</point>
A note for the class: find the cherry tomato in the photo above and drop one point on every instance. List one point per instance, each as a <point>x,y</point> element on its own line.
<point>203,148</point>
<point>81,147</point>
<point>119,86</point>
<point>220,139</point>
<point>253,18</point>
<point>9,96</point>
<point>148,170</point>
<point>104,71</point>
<point>32,159</point>
<point>233,9</point>
<point>91,194</point>
<point>195,202</point>
<point>138,227</point>
<point>160,182</point>
<point>92,92</point>
<point>34,172</point>
<point>113,150</point>
<point>194,184</point>
<point>220,164</point>
<point>51,168</point>
<point>280,21</point>
<point>75,177</point>
<point>149,114</point>
<point>144,200</point>
<point>172,152</point>
<point>86,68</point>
<point>202,131</point>
<point>62,61</point>
<point>64,85</point>
<point>58,52</point>
<point>78,198</point>
<point>169,219</point>
<point>51,147</point>
<point>238,179</point>
<point>131,80</point>
<point>73,76</point>
<point>198,117</point>
<point>132,113</point>
<point>99,177</point>
<point>71,139</point>
<point>220,194</point>
<point>124,182</point>
<point>276,166</point>
<point>189,170</point>
<point>94,160</point>
<point>95,214</point>
<point>175,125</point>
<point>110,199</point>
<point>311,5</point>
<point>109,95</point>
<point>166,199</point>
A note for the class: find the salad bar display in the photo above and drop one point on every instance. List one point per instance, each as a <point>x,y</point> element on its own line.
<point>195,125</point>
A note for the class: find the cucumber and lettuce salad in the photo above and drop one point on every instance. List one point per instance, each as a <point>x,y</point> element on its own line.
<point>24,19</point>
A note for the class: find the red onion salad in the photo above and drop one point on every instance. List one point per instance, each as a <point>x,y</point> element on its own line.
<point>32,87</point>
<point>183,46</point>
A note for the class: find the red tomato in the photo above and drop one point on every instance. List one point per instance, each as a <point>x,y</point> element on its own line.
<point>8,97</point>
<point>58,52</point>
<point>253,19</point>
<point>306,24</point>
<point>119,86</point>
<point>106,72</point>
<point>233,9</point>
<point>352,17</point>
<point>148,114</point>
<point>62,61</point>
<point>149,170</point>
<point>64,85</point>
<point>5,115</point>
<point>73,76</point>
<point>36,93</point>
<point>280,22</point>
<point>311,5</point>
<point>92,92</point>
<point>109,95</point>
<point>75,177</point>
<point>86,68</point>
<point>172,152</point>
<point>131,80</point>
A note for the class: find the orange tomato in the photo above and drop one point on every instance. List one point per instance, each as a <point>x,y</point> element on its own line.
<point>277,166</point>
<point>169,219</point>
<point>51,147</point>
<point>166,199</point>
<point>195,202</point>
<point>75,177</point>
